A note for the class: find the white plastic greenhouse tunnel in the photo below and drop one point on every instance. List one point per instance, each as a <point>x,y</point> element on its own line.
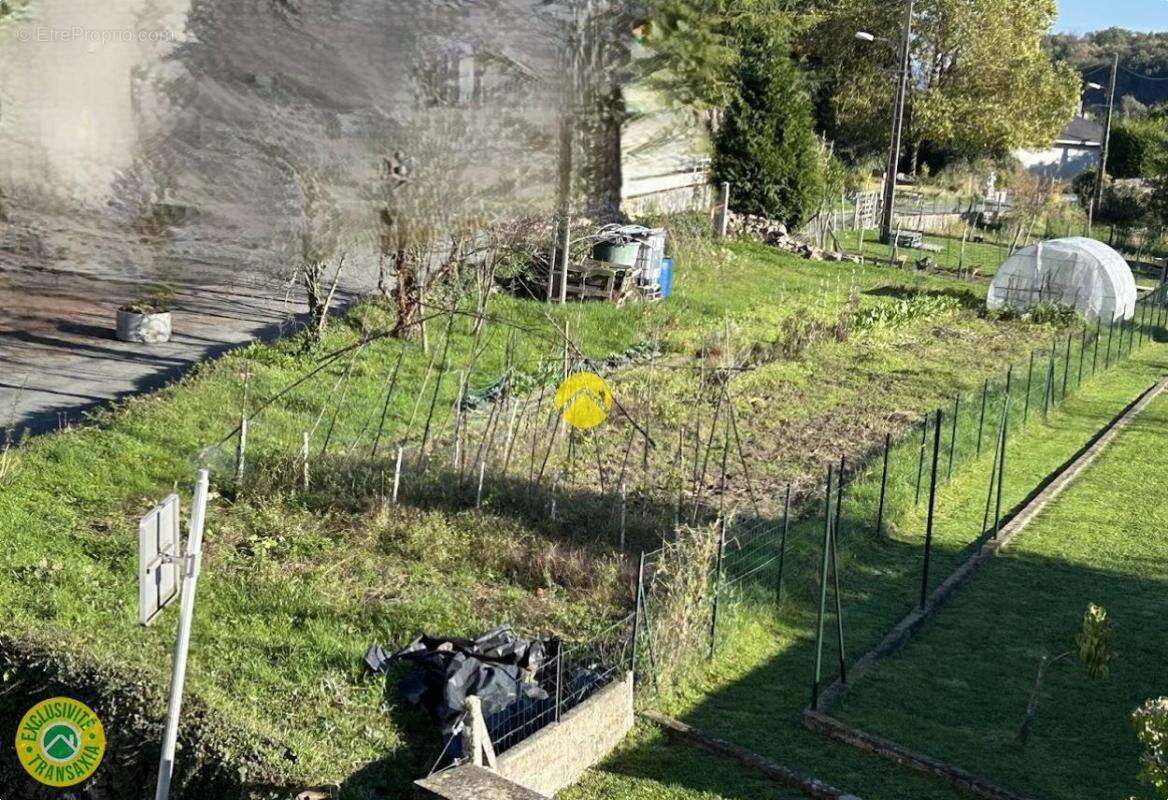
<point>1079,272</point>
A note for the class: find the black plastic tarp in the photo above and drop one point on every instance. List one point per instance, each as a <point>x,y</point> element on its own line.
<point>498,666</point>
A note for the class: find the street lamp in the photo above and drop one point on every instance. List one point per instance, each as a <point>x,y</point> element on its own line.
<point>1097,194</point>
<point>888,213</point>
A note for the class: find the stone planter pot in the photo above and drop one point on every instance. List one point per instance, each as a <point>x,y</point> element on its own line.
<point>143,328</point>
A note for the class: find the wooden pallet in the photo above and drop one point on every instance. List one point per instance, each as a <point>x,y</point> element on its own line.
<point>598,280</point>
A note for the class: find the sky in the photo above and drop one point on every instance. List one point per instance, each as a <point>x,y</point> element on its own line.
<point>1081,16</point>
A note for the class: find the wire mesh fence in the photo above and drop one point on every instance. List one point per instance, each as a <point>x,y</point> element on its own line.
<point>699,555</point>
<point>896,494</point>
<point>964,234</point>
<point>577,671</point>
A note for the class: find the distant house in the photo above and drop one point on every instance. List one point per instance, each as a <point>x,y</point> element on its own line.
<point>1076,150</point>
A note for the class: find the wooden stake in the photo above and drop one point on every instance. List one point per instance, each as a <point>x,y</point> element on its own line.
<point>397,473</point>
<point>304,462</point>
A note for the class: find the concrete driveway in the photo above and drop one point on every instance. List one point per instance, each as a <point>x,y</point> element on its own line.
<point>58,354</point>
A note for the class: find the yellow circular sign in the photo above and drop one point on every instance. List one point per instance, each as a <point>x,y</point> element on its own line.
<point>60,742</point>
<point>584,399</point>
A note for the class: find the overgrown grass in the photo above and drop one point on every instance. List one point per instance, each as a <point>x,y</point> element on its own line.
<point>752,692</point>
<point>297,583</point>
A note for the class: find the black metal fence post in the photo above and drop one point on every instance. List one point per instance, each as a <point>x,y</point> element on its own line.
<point>822,591</point>
<point>883,485</point>
<point>929,517</point>
<point>717,584</point>
<point>985,390</point>
<point>1004,436</point>
<point>783,546</point>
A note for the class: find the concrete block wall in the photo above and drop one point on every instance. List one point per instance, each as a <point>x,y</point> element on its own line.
<point>557,755</point>
<point>551,759</point>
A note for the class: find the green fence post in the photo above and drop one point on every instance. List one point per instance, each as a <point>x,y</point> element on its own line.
<point>1144,322</point>
<point>1082,354</point>
<point>985,390</point>
<point>1049,388</point>
<point>929,517</point>
<point>839,611</point>
<point>1098,337</point>
<point>1066,367</point>
<point>1004,436</point>
<point>1029,382</point>
<point>783,547</point>
<point>953,437</point>
<point>1143,312</point>
<point>1110,336</point>
<point>822,591</point>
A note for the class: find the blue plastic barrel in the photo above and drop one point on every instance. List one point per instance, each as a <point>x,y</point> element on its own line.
<point>666,279</point>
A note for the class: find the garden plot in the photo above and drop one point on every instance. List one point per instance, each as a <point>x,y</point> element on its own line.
<point>297,583</point>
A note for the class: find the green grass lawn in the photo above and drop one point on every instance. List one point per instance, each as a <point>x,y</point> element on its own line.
<point>962,686</point>
<point>297,583</point>
<point>753,691</point>
<point>983,253</point>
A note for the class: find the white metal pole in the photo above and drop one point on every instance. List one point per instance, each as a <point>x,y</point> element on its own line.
<point>191,565</point>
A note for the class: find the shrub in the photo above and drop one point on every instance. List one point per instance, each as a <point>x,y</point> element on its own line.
<point>1151,722</point>
<point>767,148</point>
<point>1134,145</point>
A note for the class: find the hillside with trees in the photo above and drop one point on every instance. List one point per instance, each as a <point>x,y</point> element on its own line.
<point>1143,63</point>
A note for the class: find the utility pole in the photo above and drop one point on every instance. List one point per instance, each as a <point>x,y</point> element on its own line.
<point>887,219</point>
<point>1097,195</point>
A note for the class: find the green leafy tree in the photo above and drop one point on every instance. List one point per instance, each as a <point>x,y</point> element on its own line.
<point>687,52</point>
<point>1093,649</point>
<point>767,147</point>
<point>982,83</point>
<point>1140,54</point>
<point>1135,144</point>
